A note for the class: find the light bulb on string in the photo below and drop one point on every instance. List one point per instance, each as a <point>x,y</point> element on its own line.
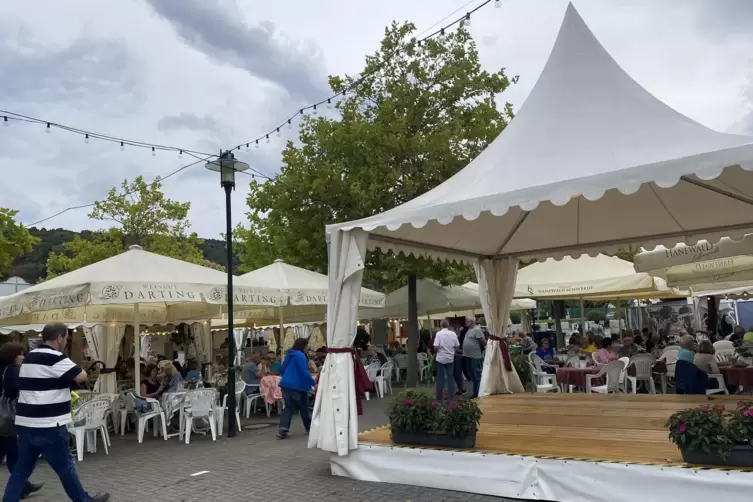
<point>278,132</point>
<point>290,124</point>
<point>154,153</point>
<point>86,139</point>
<point>329,103</point>
<point>48,130</point>
<point>5,121</point>
<point>246,146</point>
<point>122,147</point>
<point>467,20</point>
<point>315,112</point>
<point>302,111</point>
<point>180,154</point>
<point>497,4</point>
<point>257,143</point>
<point>268,139</point>
<point>441,32</point>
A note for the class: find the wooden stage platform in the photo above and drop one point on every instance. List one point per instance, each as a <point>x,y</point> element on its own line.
<point>596,427</point>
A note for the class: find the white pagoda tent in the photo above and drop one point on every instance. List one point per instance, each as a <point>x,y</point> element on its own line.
<point>588,146</point>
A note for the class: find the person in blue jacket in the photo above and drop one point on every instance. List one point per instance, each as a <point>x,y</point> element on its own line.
<point>296,383</point>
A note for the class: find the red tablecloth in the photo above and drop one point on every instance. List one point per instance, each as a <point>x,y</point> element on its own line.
<point>577,376</point>
<point>738,376</point>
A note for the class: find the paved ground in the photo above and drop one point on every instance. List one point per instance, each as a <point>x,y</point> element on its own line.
<point>253,466</point>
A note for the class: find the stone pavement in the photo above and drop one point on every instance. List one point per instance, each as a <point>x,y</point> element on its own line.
<point>253,466</point>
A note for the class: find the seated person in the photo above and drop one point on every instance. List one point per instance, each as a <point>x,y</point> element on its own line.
<point>269,365</point>
<point>705,359</point>
<point>150,387</point>
<point>606,354</point>
<point>628,349</point>
<point>371,356</point>
<point>250,374</point>
<point>588,343</point>
<point>573,345</point>
<point>192,372</point>
<point>172,379</point>
<point>527,343</point>
<point>687,349</point>
<point>545,352</point>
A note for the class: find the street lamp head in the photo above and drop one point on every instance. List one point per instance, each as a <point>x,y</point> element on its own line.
<point>227,165</point>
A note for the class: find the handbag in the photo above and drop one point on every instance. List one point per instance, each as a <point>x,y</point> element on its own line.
<point>7,415</point>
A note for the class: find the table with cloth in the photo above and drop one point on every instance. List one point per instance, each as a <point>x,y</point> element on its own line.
<point>577,376</point>
<point>739,376</point>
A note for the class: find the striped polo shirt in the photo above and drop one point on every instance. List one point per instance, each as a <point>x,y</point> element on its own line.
<point>45,389</point>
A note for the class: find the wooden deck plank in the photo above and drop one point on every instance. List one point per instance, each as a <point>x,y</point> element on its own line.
<point>618,428</point>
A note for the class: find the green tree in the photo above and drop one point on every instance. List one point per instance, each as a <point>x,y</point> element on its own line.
<point>144,216</point>
<point>417,115</point>
<point>15,239</point>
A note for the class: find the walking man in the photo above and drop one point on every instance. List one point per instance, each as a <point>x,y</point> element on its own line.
<point>42,413</point>
<point>473,357</point>
<point>446,344</point>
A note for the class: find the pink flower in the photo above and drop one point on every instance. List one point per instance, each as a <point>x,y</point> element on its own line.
<point>683,428</point>
<point>748,413</point>
<point>453,406</point>
<point>704,409</point>
<point>407,402</point>
<point>434,403</point>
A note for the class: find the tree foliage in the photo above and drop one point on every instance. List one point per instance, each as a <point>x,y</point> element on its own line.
<point>143,216</point>
<point>417,115</point>
<point>15,239</point>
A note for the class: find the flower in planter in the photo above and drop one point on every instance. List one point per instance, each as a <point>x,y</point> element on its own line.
<point>417,412</point>
<point>703,429</point>
<point>683,428</point>
<point>407,402</point>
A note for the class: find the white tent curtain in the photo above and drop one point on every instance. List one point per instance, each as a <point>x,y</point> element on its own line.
<point>496,280</point>
<point>302,331</point>
<point>239,335</point>
<point>202,336</point>
<point>334,424</point>
<point>525,322</point>
<point>145,346</point>
<point>104,344</point>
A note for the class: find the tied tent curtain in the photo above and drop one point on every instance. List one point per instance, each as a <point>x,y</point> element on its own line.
<point>104,342</point>
<point>239,335</point>
<point>145,346</point>
<point>496,286</point>
<point>202,336</point>
<point>302,331</point>
<point>334,424</point>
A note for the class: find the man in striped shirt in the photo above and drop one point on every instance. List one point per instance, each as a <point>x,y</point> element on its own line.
<point>43,412</point>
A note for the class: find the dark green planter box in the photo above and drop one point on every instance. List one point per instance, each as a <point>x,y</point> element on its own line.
<point>741,456</point>
<point>434,439</point>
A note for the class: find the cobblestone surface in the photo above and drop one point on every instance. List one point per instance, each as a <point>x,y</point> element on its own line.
<point>253,466</point>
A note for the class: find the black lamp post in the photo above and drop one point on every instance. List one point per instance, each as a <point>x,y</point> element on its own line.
<point>227,165</point>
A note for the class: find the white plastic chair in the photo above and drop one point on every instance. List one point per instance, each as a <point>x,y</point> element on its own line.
<point>94,413</point>
<point>612,371</point>
<point>240,386</point>
<point>250,399</point>
<point>721,388</point>
<point>143,417</point>
<point>575,362</point>
<point>383,379</point>
<point>372,371</point>
<point>423,366</point>
<point>644,364</point>
<point>670,348</point>
<point>539,363</point>
<point>623,382</point>
<point>198,404</point>
<point>401,364</point>
<point>544,382</point>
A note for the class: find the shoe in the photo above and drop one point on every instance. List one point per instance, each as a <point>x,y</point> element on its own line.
<point>100,497</point>
<point>31,488</point>
<point>282,435</point>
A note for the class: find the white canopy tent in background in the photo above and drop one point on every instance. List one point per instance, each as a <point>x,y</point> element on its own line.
<point>308,294</point>
<point>433,298</point>
<point>704,266</point>
<point>135,287</point>
<point>587,147</point>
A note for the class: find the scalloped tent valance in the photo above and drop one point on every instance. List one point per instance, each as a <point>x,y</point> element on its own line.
<point>592,162</point>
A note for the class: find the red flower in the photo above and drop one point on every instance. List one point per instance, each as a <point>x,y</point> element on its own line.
<point>748,413</point>
<point>683,428</point>
<point>704,409</point>
<point>453,406</point>
<point>407,402</point>
<point>434,403</point>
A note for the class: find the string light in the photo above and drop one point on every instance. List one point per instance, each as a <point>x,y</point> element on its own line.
<point>180,154</point>
<point>246,146</point>
<point>257,143</point>
<point>290,124</point>
<point>154,153</point>
<point>122,147</point>
<point>48,130</point>
<point>497,4</point>
<point>329,103</point>
<point>268,139</point>
<point>467,21</point>
<point>278,132</point>
<point>315,112</point>
<point>86,139</point>
<point>6,123</point>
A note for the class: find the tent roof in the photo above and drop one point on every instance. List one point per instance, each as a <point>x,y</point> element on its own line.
<point>598,277</point>
<point>303,286</point>
<point>433,298</point>
<point>588,146</point>
<point>134,276</point>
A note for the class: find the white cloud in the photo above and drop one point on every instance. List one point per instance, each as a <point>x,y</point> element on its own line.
<point>204,75</point>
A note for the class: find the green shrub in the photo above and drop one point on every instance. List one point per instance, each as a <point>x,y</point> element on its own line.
<point>417,412</point>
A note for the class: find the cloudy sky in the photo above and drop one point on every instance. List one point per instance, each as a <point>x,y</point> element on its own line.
<point>205,74</point>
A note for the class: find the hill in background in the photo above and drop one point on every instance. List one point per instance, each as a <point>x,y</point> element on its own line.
<point>32,267</point>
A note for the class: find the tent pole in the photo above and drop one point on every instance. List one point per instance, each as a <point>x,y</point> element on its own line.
<point>583,316</point>
<point>281,337</point>
<point>136,347</point>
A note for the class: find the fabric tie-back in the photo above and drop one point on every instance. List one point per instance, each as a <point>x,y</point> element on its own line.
<point>503,350</point>
<point>363,384</point>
